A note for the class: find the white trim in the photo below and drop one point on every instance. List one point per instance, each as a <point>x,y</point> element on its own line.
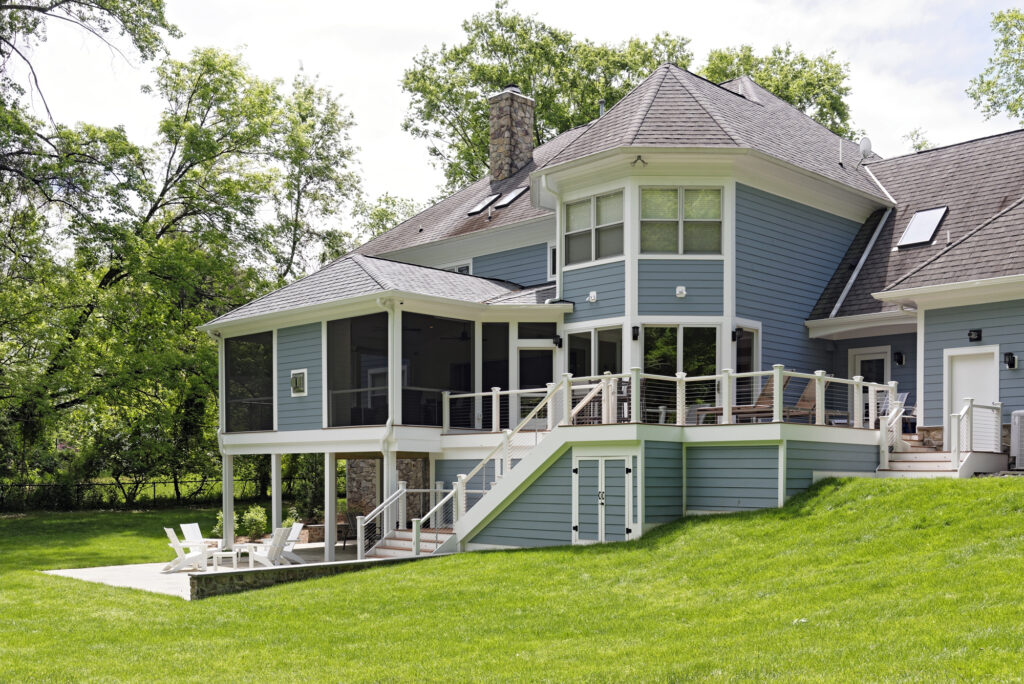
<point>947,385</point>
<point>274,375</point>
<point>553,274</point>
<point>945,295</point>
<point>860,262</point>
<point>782,474</point>
<point>323,371</point>
<point>863,325</point>
<point>566,268</point>
<point>305,382</point>
<point>919,407</point>
<point>856,354</point>
<point>221,387</point>
<point>879,184</point>
<point>601,454</point>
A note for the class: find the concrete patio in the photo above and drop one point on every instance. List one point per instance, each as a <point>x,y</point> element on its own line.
<point>148,576</point>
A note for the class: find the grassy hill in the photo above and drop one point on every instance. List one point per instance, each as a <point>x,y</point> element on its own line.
<point>854,580</point>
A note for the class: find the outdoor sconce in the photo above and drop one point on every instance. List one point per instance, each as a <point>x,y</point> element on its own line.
<point>899,358</point>
<point>557,339</point>
<point>592,297</point>
<point>974,335</point>
<point>680,291</point>
<point>636,332</point>
<point>1010,359</point>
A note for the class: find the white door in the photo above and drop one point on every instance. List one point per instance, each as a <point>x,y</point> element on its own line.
<point>975,374</point>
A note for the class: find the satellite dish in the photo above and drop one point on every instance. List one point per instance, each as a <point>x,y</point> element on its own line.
<point>865,147</point>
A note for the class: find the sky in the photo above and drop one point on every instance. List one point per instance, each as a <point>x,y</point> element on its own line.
<point>910,60</point>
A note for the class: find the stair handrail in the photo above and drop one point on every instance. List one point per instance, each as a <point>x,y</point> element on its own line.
<point>362,520</point>
<point>509,434</point>
<point>432,515</point>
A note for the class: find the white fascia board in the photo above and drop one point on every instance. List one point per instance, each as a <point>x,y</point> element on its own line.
<point>863,325</point>
<point>363,304</point>
<point>477,243</point>
<point>945,295</point>
<point>748,166</point>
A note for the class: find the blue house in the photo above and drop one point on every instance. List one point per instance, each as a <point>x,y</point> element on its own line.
<point>700,301</point>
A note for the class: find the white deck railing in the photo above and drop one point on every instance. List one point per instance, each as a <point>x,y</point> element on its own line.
<point>976,427</point>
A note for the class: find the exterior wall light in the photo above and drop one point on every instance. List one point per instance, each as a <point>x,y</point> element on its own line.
<point>1010,359</point>
<point>899,358</point>
<point>592,297</point>
<point>636,332</point>
<point>557,339</point>
<point>974,335</point>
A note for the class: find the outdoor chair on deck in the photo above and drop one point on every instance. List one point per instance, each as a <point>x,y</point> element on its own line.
<point>195,558</point>
<point>289,545</point>
<point>763,406</point>
<point>806,407</point>
<point>271,554</point>
<point>193,535</point>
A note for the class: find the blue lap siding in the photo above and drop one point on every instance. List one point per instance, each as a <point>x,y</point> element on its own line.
<point>540,516</point>
<point>1001,323</point>
<point>905,375</point>
<point>731,478</point>
<point>803,458</point>
<point>663,481</point>
<point>786,253</point>
<point>297,348</point>
<point>658,281</point>
<point>524,265</point>
<point>607,280</point>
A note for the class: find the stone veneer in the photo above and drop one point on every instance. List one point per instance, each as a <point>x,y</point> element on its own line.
<point>362,484</point>
<point>511,141</point>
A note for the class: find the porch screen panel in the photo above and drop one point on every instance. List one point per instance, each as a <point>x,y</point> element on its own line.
<point>495,369</point>
<point>249,382</point>
<point>438,355</point>
<point>357,371</point>
<point>657,397</point>
<point>579,354</point>
<point>700,357</point>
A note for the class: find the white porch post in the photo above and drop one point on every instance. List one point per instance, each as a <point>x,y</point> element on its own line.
<point>330,505</point>
<point>227,493</point>
<point>275,490</point>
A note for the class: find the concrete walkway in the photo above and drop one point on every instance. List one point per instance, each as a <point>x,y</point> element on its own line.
<point>147,576</point>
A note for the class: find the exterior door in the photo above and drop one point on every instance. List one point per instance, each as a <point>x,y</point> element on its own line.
<point>873,364</point>
<point>602,500</point>
<point>975,375</point>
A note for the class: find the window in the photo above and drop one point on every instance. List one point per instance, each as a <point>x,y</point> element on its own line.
<point>483,204</point>
<point>595,352</point>
<point>298,383</point>
<point>670,349</point>
<point>464,269</point>
<point>552,262</point>
<point>922,227</point>
<point>593,229</point>
<point>511,197</point>
<point>690,226</point>
<point>249,383</point>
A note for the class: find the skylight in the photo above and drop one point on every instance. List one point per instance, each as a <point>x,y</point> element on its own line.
<point>484,203</point>
<point>922,227</point>
<point>511,197</point>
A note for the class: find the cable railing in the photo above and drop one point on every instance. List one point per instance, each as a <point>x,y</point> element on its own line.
<point>374,526</point>
<point>439,520</point>
<point>976,427</point>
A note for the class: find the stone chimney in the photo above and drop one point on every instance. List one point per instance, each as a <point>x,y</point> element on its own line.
<point>511,145</point>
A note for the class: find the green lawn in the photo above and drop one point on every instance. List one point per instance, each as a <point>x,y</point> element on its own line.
<point>855,580</point>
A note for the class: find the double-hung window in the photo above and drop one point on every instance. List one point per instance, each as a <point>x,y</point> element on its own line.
<point>681,221</point>
<point>593,229</point>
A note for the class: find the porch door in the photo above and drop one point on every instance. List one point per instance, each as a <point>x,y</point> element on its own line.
<point>602,493</point>
<point>873,364</point>
<point>975,376</point>
<point>536,370</point>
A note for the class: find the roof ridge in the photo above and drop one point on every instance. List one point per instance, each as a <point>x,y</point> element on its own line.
<point>650,103</point>
<point>941,148</point>
<point>952,246</point>
<point>699,99</point>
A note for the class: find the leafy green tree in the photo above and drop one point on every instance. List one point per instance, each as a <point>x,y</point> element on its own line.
<point>315,158</point>
<point>371,219</point>
<point>814,85</point>
<point>918,140</point>
<point>999,89</point>
<point>565,75</point>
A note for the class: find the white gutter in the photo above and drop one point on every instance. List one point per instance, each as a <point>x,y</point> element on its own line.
<point>863,258</point>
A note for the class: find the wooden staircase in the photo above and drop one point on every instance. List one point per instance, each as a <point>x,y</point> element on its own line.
<point>398,544</point>
<point>920,461</point>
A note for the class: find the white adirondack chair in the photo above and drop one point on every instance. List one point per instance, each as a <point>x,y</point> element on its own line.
<point>192,534</point>
<point>270,554</point>
<point>195,558</point>
<point>289,545</point>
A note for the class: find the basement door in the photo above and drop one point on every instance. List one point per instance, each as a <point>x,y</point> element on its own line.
<point>602,499</point>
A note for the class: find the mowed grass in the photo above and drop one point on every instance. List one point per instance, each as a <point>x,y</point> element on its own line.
<point>855,580</point>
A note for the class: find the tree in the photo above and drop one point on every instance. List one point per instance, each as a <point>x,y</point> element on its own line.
<point>917,140</point>
<point>565,76</point>
<point>371,219</point>
<point>814,85</point>
<point>1000,87</point>
<point>315,159</point>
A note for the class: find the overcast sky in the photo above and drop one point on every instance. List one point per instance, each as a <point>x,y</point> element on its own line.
<point>910,60</point>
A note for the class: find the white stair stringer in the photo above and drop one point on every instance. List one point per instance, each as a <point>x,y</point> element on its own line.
<point>529,468</point>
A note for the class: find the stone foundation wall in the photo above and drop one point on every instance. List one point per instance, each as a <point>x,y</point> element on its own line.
<point>361,484</point>
<point>415,472</point>
<point>932,436</point>
<point>205,585</point>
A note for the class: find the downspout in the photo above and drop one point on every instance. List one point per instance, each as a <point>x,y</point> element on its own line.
<point>860,264</point>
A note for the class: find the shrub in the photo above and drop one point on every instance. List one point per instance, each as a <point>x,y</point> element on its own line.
<point>254,522</point>
<point>293,517</point>
<point>218,529</point>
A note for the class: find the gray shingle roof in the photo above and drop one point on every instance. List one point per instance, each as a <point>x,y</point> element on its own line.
<point>675,108</point>
<point>448,218</point>
<point>356,274</point>
<point>977,180</point>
